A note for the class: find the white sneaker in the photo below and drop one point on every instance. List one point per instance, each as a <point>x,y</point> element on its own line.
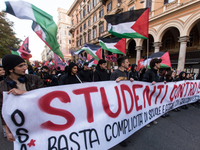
<point>148,125</point>
<point>155,122</point>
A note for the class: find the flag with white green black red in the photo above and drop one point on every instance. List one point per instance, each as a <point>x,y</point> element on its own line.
<point>129,24</point>
<point>115,44</point>
<point>166,63</point>
<point>43,24</point>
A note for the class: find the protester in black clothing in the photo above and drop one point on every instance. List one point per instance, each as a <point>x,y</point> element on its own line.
<point>71,77</point>
<point>101,74</point>
<point>2,73</point>
<point>44,75</point>
<point>182,76</point>
<point>142,72</point>
<point>54,78</point>
<point>152,75</point>
<point>133,73</point>
<point>30,70</point>
<point>58,72</point>
<point>85,74</point>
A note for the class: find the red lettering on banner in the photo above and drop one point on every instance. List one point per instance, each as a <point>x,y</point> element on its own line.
<point>160,87</point>
<point>172,95</point>
<point>136,97</point>
<point>186,88</point>
<point>191,88</point>
<point>125,87</point>
<point>86,92</point>
<point>198,88</point>
<point>165,94</point>
<point>146,91</point>
<point>105,103</point>
<point>44,105</point>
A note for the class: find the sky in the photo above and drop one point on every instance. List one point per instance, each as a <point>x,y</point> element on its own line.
<point>23,29</point>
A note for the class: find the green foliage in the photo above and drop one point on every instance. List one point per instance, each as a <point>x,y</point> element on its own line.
<point>7,35</point>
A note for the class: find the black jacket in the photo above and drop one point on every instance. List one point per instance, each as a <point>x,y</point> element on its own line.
<point>133,73</point>
<point>68,78</point>
<point>151,75</point>
<point>85,75</point>
<point>100,74</point>
<point>180,78</point>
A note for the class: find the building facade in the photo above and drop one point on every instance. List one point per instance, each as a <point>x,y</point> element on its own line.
<point>174,26</point>
<point>47,54</point>
<point>63,34</point>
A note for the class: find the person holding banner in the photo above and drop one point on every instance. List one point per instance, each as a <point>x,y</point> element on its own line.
<point>71,77</point>
<point>119,75</point>
<point>16,82</point>
<point>152,75</point>
<point>85,74</point>
<point>100,73</point>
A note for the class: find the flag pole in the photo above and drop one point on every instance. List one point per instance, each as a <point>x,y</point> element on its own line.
<point>147,49</point>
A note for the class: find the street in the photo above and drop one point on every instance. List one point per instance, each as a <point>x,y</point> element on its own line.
<point>180,131</point>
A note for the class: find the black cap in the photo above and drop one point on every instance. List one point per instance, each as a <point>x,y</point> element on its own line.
<point>10,61</point>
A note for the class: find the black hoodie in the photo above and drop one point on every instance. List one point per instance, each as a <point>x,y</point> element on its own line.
<point>68,78</point>
<point>133,73</point>
<point>85,75</point>
<point>100,74</point>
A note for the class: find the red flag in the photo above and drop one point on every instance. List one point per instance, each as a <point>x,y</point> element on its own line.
<point>89,57</point>
<point>140,64</point>
<point>25,46</point>
<point>99,53</point>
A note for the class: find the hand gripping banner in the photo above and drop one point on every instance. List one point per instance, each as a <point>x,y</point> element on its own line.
<point>92,116</point>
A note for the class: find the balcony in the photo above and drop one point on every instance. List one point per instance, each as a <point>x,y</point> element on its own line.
<point>103,1</point>
<point>72,29</point>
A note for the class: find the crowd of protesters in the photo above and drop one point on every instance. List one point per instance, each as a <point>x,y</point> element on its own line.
<point>15,80</point>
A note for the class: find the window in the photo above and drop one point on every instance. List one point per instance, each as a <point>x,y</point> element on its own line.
<point>101,28</point>
<point>85,38</point>
<point>89,7</point>
<point>81,42</point>
<point>77,43</point>
<point>95,18</point>
<point>94,2</point>
<point>89,36</point>
<point>132,8</point>
<point>81,29</point>
<point>77,32</point>
<point>84,26</point>
<point>88,23</point>
<point>72,35</point>
<point>69,41</point>
<point>77,19</point>
<point>94,33</point>
<point>72,23</point>
<point>149,4</point>
<point>101,13</point>
<point>69,33</point>
<point>109,6</point>
<point>80,15</point>
<point>84,12</point>
<point>119,1</point>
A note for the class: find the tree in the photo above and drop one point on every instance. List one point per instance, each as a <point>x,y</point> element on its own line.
<point>7,35</point>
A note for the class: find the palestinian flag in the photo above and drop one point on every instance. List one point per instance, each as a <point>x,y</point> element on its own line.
<point>21,53</point>
<point>94,50</point>
<point>166,63</point>
<point>129,24</point>
<point>43,24</point>
<point>115,45</point>
<point>25,45</point>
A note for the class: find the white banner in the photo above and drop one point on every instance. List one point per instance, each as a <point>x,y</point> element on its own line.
<point>91,115</point>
